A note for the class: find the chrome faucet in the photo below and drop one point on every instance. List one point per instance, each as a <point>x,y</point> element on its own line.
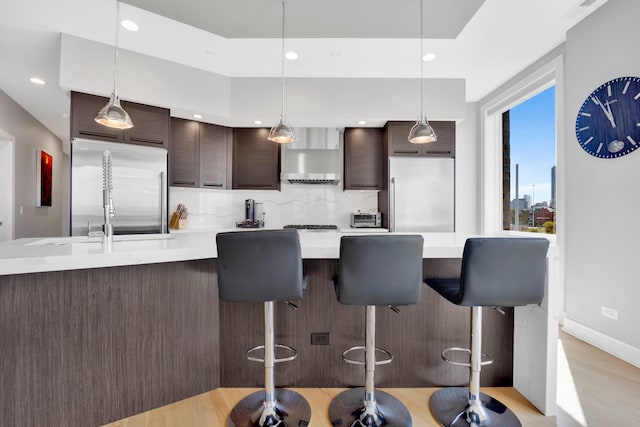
<point>107,200</point>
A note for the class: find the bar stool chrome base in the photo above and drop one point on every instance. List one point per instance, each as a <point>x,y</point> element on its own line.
<point>292,410</point>
<point>348,410</point>
<point>451,407</point>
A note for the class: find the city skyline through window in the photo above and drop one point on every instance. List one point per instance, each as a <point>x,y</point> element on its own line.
<point>529,141</point>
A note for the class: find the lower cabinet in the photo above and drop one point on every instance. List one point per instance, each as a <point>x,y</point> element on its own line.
<point>199,154</point>
<point>256,160</point>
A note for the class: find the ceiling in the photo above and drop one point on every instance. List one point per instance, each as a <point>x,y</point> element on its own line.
<point>319,19</point>
<point>483,43</point>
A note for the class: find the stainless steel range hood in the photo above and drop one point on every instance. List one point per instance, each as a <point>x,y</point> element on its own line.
<point>314,158</point>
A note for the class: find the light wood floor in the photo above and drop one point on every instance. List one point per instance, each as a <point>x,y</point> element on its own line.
<point>212,408</point>
<point>596,390</point>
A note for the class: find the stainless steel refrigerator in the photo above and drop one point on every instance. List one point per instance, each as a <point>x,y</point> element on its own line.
<point>139,187</point>
<point>421,194</point>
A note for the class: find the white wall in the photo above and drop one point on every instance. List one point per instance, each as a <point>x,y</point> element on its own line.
<point>87,66</point>
<point>468,171</point>
<point>602,230</point>
<point>30,135</point>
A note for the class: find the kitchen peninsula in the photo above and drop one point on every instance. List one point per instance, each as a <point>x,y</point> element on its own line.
<point>89,337</point>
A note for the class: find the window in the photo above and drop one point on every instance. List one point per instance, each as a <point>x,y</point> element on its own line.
<point>536,80</point>
<point>529,164</point>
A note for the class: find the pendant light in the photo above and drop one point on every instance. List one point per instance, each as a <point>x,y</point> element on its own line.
<point>113,115</point>
<point>282,133</point>
<point>421,132</point>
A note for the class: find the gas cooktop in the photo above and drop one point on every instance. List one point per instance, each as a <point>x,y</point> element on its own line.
<point>312,226</point>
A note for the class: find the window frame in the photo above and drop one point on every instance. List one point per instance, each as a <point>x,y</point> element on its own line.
<point>518,91</point>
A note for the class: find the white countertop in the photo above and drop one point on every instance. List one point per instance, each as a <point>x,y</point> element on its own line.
<point>74,253</point>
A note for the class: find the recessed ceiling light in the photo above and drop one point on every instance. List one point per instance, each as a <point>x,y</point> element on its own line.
<point>37,80</point>
<point>291,55</point>
<point>429,57</point>
<point>197,116</point>
<point>257,122</point>
<point>362,122</point>
<point>129,25</point>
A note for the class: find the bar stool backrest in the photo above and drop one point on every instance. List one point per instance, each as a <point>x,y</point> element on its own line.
<point>503,272</point>
<point>259,266</point>
<point>380,270</point>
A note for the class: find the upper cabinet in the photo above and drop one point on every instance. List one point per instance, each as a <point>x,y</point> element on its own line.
<point>199,154</point>
<point>363,159</point>
<point>184,157</point>
<point>256,160</point>
<point>396,134</point>
<point>215,153</point>
<point>150,124</point>
<point>84,108</point>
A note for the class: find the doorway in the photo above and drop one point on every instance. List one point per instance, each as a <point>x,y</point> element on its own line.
<point>7,196</point>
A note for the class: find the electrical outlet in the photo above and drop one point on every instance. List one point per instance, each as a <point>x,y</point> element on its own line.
<point>609,312</point>
<point>320,338</point>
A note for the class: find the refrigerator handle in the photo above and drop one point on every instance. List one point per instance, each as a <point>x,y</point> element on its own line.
<point>392,208</point>
<point>163,203</point>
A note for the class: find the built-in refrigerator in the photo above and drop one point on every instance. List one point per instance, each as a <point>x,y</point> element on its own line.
<point>421,194</point>
<point>139,192</point>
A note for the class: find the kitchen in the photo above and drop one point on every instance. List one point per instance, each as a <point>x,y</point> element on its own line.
<point>445,100</point>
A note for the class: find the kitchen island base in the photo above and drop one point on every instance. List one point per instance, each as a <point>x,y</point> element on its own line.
<point>87,347</point>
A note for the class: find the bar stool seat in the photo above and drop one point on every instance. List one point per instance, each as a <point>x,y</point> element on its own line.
<point>375,271</point>
<point>264,266</point>
<point>495,272</point>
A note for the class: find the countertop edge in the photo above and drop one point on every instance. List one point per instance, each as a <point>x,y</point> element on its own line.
<point>23,257</point>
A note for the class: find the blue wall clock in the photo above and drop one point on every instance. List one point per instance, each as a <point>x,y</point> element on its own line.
<point>608,123</point>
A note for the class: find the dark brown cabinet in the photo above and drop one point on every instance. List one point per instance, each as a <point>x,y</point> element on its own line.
<point>184,156</point>
<point>363,159</point>
<point>150,124</point>
<point>199,154</point>
<point>398,145</point>
<point>256,160</point>
<point>215,150</point>
<point>84,108</point>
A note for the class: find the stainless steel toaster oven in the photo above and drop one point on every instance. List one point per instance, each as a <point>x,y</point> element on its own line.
<point>366,220</point>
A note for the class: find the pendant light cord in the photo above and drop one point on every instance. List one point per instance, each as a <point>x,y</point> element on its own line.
<point>421,65</point>
<point>282,59</point>
<point>115,61</point>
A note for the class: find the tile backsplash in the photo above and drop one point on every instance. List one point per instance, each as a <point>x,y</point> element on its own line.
<point>294,204</point>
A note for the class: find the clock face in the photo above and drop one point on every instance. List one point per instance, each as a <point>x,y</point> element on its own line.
<point>608,123</point>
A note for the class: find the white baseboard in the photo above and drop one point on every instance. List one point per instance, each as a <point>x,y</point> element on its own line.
<point>604,342</point>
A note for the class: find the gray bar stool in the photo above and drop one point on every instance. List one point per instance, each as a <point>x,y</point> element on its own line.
<point>264,266</point>
<point>496,272</point>
<point>375,271</point>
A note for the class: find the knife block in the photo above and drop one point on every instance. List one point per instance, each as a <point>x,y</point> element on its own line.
<point>175,222</point>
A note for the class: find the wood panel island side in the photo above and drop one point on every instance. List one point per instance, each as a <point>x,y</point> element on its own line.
<point>90,337</point>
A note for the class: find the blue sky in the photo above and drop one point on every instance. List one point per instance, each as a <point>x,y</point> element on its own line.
<point>533,143</point>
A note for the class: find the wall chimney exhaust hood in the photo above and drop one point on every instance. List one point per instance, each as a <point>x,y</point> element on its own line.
<point>314,158</point>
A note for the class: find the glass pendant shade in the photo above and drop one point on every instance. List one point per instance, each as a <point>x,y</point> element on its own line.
<point>422,132</point>
<point>113,115</point>
<point>282,133</point>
